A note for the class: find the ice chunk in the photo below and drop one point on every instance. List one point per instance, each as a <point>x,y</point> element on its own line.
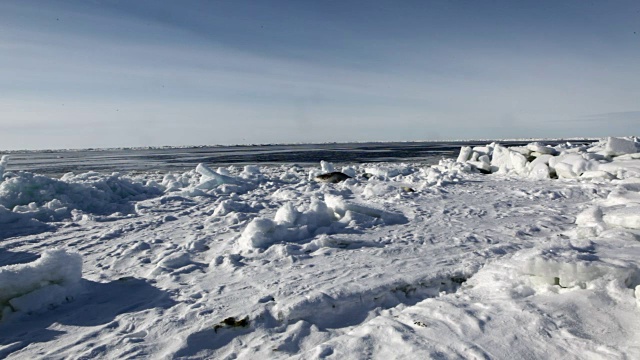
<point>544,159</point>
<point>520,149</point>
<point>577,163</point>
<point>628,217</point>
<point>588,231</point>
<point>591,216</point>
<point>483,150</point>
<point>597,174</point>
<point>541,148</point>
<point>580,166</point>
<point>258,234</point>
<point>3,165</point>
<point>480,165</point>
<point>465,154</point>
<point>340,207</point>
<point>539,170</point>
<point>568,270</point>
<point>631,184</point>
<point>622,169</point>
<point>349,171</point>
<point>56,274</point>
<point>229,206</point>
<point>377,189</point>
<point>617,146</point>
<point>501,158</point>
<point>223,171</point>
<point>565,171</point>
<point>175,260</point>
<point>318,214</point>
<point>251,170</point>
<point>211,179</point>
<point>354,218</point>
<point>203,170</point>
<point>634,156</point>
<point>286,215</point>
<point>505,160</point>
<point>518,161</point>
<point>622,196</point>
<point>382,172</point>
<point>327,167</point>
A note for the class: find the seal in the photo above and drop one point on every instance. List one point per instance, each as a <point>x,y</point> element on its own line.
<point>332,177</point>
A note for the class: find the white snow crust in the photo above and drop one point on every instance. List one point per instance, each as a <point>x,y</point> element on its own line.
<point>48,281</point>
<point>529,252</point>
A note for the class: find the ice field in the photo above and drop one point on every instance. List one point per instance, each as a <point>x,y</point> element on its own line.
<point>528,252</point>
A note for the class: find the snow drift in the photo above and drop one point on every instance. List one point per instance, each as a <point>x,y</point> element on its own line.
<point>52,279</point>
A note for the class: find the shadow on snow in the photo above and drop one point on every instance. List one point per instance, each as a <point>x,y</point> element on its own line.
<point>98,304</point>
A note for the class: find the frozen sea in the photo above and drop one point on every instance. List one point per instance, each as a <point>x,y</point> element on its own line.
<point>239,253</point>
<point>58,162</point>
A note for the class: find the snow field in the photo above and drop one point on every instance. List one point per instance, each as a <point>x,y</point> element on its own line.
<point>510,264</point>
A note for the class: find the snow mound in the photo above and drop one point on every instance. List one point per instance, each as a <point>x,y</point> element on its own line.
<point>49,199</point>
<point>619,211</point>
<point>331,216</point>
<point>343,208</point>
<point>446,172</point>
<point>204,181</point>
<point>51,280</point>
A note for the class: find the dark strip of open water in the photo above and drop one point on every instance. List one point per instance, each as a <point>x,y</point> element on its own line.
<point>58,162</point>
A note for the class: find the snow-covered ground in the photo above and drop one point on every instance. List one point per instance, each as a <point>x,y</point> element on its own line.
<point>535,257</point>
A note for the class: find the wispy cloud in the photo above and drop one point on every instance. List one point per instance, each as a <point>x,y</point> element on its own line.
<point>612,116</point>
<point>177,75</point>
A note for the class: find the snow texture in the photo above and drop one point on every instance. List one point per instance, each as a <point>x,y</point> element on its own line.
<point>501,253</point>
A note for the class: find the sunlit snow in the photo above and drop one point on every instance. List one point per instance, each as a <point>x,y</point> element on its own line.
<point>505,252</point>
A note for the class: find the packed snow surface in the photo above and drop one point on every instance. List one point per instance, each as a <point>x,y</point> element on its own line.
<point>505,252</point>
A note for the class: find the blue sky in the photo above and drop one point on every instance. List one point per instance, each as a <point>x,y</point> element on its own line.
<point>77,74</point>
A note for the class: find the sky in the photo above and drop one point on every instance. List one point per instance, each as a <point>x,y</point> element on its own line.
<point>91,74</point>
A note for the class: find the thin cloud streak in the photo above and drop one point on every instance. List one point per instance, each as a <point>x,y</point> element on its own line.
<point>363,88</point>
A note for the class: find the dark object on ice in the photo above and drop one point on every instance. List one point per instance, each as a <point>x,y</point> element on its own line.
<point>232,322</point>
<point>266,299</point>
<point>367,176</point>
<point>333,177</point>
<point>458,280</point>
<point>556,281</point>
<point>407,189</point>
<point>169,218</point>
